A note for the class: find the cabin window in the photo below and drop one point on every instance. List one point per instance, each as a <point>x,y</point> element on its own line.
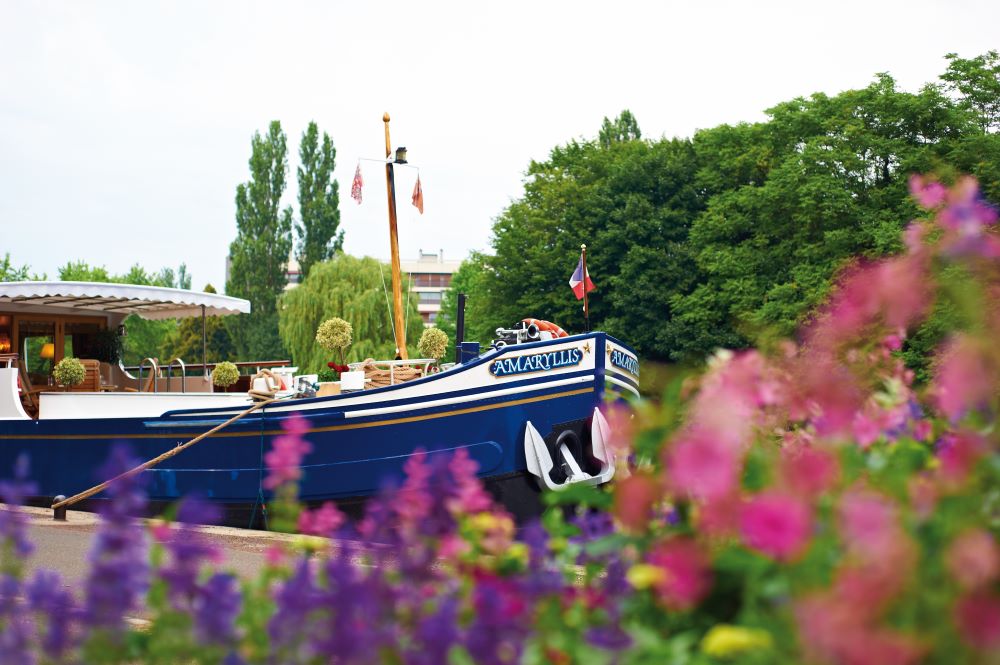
<point>6,334</point>
<point>37,348</point>
<point>79,339</point>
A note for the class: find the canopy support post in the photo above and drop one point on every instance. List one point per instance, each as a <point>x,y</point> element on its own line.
<point>204,344</point>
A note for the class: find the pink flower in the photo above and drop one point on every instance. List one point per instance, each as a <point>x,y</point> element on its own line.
<point>868,523</point>
<point>687,577</point>
<point>701,466</point>
<point>966,377</point>
<point>867,430</point>
<point>778,525</point>
<point>321,522</point>
<point>959,453</point>
<point>284,460</point>
<point>928,192</point>
<point>978,619</point>
<point>413,502</point>
<point>470,497</point>
<point>973,559</point>
<point>634,499</point>
<point>808,470</point>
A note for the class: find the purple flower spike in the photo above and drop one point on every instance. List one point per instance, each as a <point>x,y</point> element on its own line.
<point>216,609</point>
<point>189,549</point>
<point>15,636</point>
<point>436,634</point>
<point>47,596</point>
<point>119,573</point>
<point>294,601</point>
<point>13,524</point>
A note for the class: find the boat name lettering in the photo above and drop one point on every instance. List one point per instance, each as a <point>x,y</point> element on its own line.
<point>536,362</point>
<point>625,362</point>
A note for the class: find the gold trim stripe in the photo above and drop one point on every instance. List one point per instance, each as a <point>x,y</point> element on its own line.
<point>329,428</point>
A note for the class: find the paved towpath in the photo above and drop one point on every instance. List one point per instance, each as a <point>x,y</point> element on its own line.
<point>64,546</point>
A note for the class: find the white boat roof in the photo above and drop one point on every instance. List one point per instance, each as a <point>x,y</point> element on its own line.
<point>148,302</point>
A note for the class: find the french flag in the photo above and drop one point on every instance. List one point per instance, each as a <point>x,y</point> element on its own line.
<point>581,280</point>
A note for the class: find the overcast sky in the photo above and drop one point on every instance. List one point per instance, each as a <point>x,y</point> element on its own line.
<point>125,126</point>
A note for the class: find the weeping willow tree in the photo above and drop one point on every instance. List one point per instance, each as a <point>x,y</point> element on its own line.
<point>352,289</point>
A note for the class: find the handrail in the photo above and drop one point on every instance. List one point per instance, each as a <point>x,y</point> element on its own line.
<point>241,365</point>
<point>170,373</point>
<point>155,369</point>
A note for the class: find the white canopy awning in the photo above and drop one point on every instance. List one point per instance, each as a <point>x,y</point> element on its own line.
<point>149,302</point>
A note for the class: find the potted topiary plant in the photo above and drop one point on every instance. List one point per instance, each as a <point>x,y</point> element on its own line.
<point>335,335</point>
<point>225,374</point>
<point>69,372</point>
<point>433,343</point>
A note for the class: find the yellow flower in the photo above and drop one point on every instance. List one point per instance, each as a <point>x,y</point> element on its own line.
<point>644,575</point>
<point>724,640</point>
<point>518,552</point>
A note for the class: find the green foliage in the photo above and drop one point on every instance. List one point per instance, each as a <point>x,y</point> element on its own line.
<point>977,82</point>
<point>350,288</point>
<point>738,232</point>
<point>318,237</point>
<point>225,374</point>
<point>11,273</point>
<point>108,347</point>
<point>145,338</point>
<point>259,254</point>
<point>334,334</point>
<point>624,128</point>
<point>185,339</point>
<point>69,372</point>
<point>480,323</point>
<point>433,343</point>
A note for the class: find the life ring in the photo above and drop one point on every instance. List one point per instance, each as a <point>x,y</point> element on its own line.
<point>547,326</point>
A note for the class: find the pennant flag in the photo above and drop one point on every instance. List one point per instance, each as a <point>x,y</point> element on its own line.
<point>357,185</point>
<point>581,280</point>
<point>418,196</point>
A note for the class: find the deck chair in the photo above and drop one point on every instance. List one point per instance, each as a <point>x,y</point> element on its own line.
<point>92,378</point>
<point>29,394</point>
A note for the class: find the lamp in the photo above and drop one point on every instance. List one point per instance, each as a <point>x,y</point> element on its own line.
<point>122,331</point>
<point>48,351</point>
<point>4,343</point>
<point>400,155</point>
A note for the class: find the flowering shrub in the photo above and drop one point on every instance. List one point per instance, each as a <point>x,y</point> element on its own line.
<point>69,372</point>
<point>804,503</point>
<point>225,374</point>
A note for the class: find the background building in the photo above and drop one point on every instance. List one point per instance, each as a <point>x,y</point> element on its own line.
<point>430,277</point>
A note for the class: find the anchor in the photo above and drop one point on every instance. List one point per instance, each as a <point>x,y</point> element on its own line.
<point>541,464</point>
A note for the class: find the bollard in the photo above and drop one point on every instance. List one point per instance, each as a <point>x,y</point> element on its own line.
<point>59,514</point>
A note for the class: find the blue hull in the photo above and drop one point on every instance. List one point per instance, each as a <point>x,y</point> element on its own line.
<point>360,441</point>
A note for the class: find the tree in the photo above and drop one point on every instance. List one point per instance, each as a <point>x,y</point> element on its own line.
<point>184,340</point>
<point>259,254</point>
<point>319,208</point>
<point>739,231</point>
<point>145,338</point>
<point>480,325</point>
<point>352,289</point>
<point>624,128</point>
<point>977,82</point>
<point>11,273</point>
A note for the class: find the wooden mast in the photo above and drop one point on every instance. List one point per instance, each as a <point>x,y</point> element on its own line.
<point>397,282</point>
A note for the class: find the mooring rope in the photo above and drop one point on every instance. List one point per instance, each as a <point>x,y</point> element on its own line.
<point>86,494</point>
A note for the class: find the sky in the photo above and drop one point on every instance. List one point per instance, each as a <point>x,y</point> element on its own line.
<point>125,127</point>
